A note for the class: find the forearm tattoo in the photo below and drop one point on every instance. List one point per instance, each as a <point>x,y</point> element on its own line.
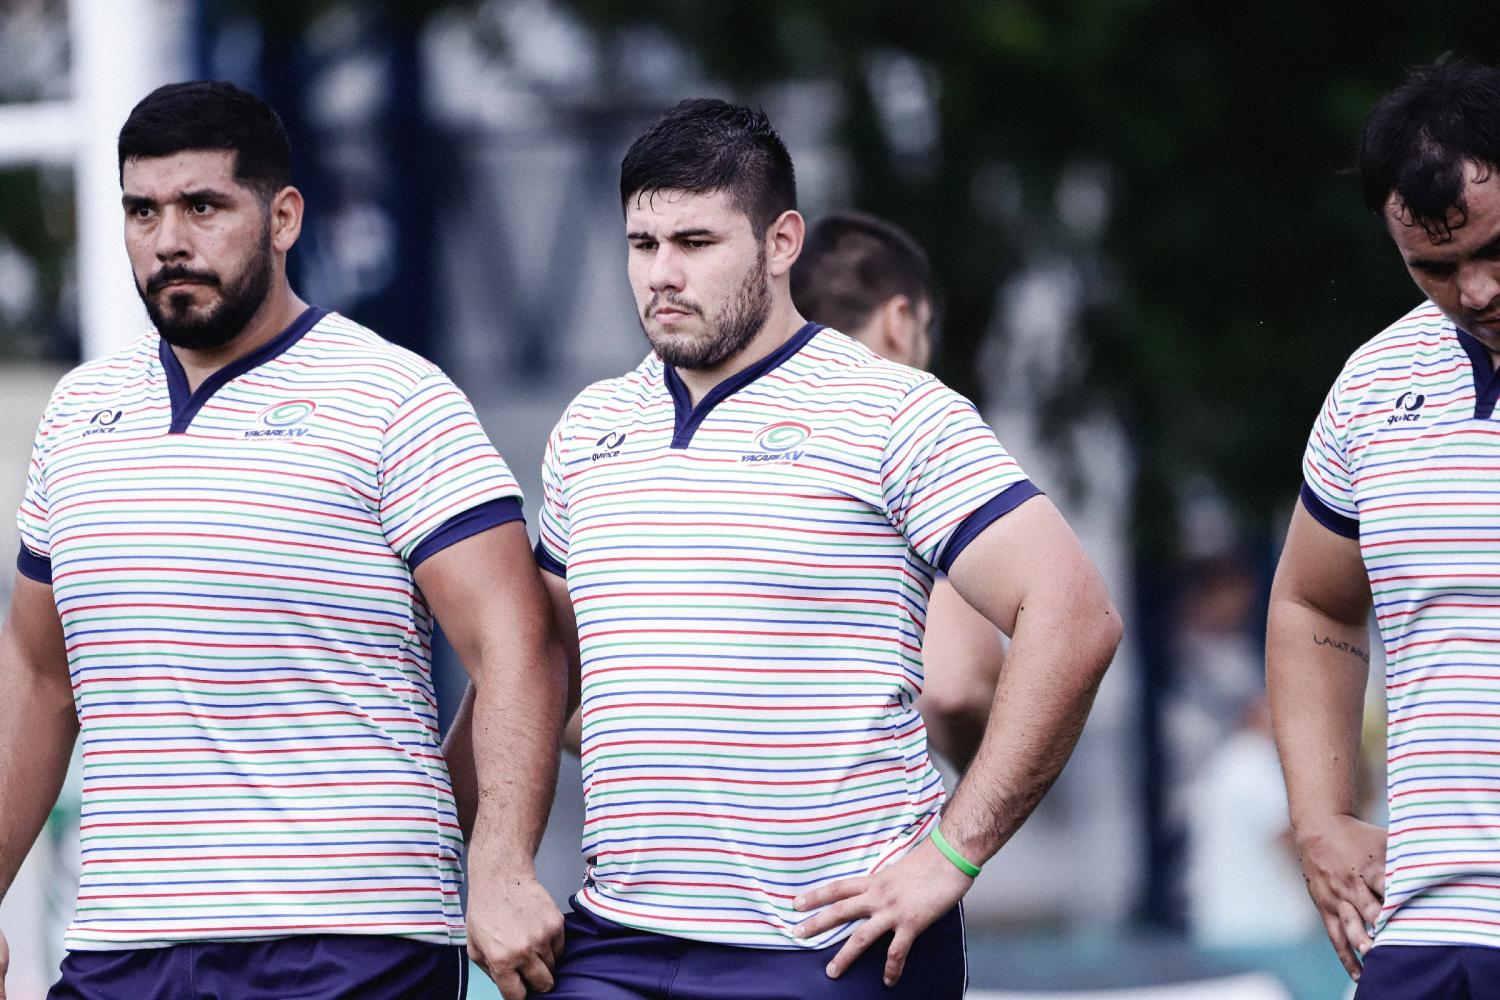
<point>1342,646</point>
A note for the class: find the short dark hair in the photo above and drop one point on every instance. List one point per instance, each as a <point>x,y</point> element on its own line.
<point>1419,137</point>
<point>705,145</point>
<point>852,264</point>
<point>211,115</point>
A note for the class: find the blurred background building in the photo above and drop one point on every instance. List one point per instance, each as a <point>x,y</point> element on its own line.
<point>1153,269</point>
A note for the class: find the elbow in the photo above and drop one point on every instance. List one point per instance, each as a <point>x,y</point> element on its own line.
<point>1109,631</point>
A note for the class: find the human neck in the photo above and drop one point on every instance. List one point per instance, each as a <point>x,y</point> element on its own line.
<point>780,325</point>
<point>274,315</point>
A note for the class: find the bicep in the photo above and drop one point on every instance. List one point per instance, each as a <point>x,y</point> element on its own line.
<point>565,621</point>
<point>33,631</point>
<point>486,589</point>
<point>562,612</point>
<point>1322,570</point>
<point>1028,552</point>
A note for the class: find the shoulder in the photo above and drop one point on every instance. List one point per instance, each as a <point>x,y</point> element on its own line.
<point>846,362</point>
<point>626,392</point>
<point>843,374</point>
<point>1416,341</point>
<point>103,381</point>
<point>348,350</point>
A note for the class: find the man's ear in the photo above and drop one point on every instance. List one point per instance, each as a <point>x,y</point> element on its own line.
<point>897,329</point>
<point>285,212</point>
<point>784,242</point>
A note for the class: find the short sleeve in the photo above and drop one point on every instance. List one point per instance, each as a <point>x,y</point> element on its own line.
<point>34,517</point>
<point>441,480</point>
<point>1327,483</point>
<point>944,475</point>
<point>552,540</point>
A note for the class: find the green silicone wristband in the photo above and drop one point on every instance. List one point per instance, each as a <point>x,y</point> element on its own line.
<point>960,862</point>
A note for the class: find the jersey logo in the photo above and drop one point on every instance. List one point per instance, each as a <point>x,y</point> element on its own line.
<point>1407,405</point>
<point>103,422</point>
<point>281,419</point>
<point>609,445</point>
<point>778,442</point>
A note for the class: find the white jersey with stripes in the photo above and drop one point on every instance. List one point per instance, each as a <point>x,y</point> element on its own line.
<point>1405,457</point>
<point>750,577</point>
<point>250,657</point>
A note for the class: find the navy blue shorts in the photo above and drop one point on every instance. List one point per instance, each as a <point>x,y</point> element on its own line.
<point>305,967</point>
<point>1430,972</point>
<point>603,960</point>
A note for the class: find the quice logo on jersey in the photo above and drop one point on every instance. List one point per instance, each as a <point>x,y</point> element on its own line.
<point>778,442</point>
<point>103,422</point>
<point>608,446</point>
<point>1407,405</point>
<point>280,420</point>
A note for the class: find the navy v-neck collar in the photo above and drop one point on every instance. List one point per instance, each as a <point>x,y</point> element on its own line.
<point>1486,377</point>
<point>186,404</point>
<point>688,416</point>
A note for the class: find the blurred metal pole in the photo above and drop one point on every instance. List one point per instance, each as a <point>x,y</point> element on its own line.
<point>41,132</point>
<point>121,52</point>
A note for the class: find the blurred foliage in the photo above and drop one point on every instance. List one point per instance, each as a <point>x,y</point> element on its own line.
<point>1237,268</point>
<point>36,233</point>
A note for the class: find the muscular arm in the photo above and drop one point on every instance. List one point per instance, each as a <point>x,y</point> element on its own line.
<point>38,725</point>
<point>1029,576</point>
<point>1317,662</point>
<point>458,747</point>
<point>486,593</point>
<point>961,658</point>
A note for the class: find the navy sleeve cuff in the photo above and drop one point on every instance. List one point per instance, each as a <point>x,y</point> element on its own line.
<point>490,514</point>
<point>1327,516</point>
<point>996,507</point>
<point>33,566</point>
<point>548,561</point>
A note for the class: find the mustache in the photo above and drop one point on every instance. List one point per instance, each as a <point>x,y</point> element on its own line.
<point>179,273</point>
<point>659,299</point>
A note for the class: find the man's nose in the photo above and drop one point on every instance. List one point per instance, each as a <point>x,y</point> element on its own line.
<point>171,237</point>
<point>666,270</point>
<point>1478,286</point>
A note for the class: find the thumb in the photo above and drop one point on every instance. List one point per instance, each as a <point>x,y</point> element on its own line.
<point>4,963</point>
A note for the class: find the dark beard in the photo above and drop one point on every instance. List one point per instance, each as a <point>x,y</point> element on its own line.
<point>731,330</point>
<point>237,303</point>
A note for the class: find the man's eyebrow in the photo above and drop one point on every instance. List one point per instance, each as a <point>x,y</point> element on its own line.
<point>203,194</point>
<point>197,194</point>
<point>1428,264</point>
<point>1490,248</point>
<point>679,234</point>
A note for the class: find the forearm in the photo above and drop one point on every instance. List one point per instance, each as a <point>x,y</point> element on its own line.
<point>517,719</point>
<point>1316,670</point>
<point>38,726</point>
<point>458,751</point>
<point>1046,688</point>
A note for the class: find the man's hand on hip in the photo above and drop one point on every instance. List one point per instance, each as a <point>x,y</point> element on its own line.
<point>515,932</point>
<point>1343,861</point>
<point>902,900</point>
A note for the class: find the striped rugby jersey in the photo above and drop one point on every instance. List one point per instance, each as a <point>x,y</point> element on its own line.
<point>1405,456</point>
<point>250,658</point>
<point>750,578</point>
